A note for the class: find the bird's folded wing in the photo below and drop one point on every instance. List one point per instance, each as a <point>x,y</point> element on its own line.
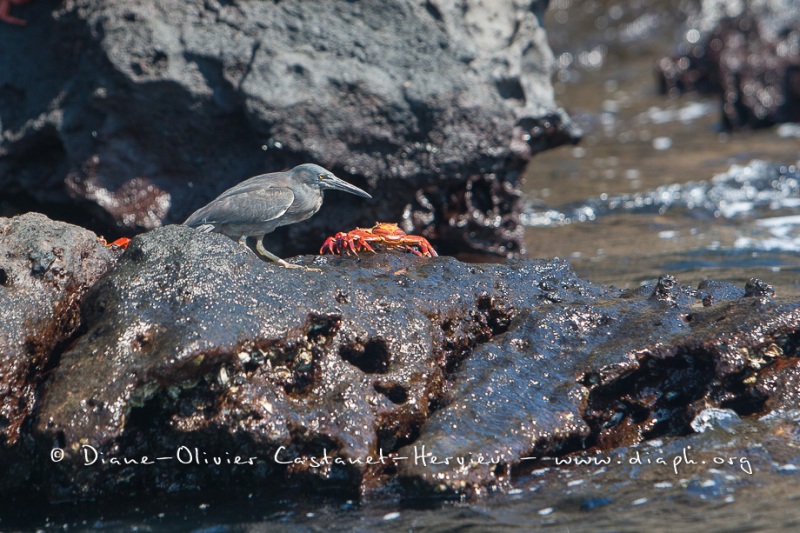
<point>250,205</point>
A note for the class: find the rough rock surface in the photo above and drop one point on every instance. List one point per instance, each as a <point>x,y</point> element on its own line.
<point>748,53</point>
<point>606,374</point>
<point>195,350</point>
<point>46,268</point>
<point>193,340</point>
<point>140,112</point>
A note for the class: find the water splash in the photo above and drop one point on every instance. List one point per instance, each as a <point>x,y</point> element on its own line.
<point>771,234</point>
<point>744,191</point>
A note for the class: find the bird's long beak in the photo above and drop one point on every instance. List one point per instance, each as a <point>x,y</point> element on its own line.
<point>341,185</point>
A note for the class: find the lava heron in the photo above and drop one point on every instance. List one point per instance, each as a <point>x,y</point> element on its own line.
<point>260,204</point>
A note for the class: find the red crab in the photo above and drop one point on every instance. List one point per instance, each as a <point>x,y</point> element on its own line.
<point>382,233</point>
<point>122,242</point>
<point>5,9</point>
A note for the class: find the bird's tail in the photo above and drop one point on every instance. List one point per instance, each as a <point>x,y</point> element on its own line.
<point>205,228</point>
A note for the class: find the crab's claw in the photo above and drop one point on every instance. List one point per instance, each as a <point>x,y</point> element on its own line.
<point>339,243</point>
<point>423,247</point>
<point>328,247</point>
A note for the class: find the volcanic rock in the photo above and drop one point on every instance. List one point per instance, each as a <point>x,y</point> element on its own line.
<point>46,267</point>
<point>748,53</point>
<point>380,371</point>
<point>141,112</point>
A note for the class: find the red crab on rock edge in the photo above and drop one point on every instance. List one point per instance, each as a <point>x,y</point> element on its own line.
<point>386,234</point>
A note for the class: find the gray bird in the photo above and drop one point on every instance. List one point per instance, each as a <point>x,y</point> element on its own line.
<point>260,204</point>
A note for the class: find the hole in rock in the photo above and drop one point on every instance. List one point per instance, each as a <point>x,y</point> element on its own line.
<point>396,393</point>
<point>373,358</point>
<point>510,89</point>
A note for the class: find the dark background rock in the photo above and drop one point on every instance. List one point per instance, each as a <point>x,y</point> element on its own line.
<point>122,116</point>
<point>192,341</point>
<point>748,53</point>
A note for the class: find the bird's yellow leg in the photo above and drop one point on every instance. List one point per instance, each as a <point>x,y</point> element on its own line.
<point>266,253</point>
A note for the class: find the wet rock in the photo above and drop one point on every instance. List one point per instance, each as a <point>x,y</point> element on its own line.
<point>745,52</point>
<point>711,292</point>
<point>777,384</point>
<point>601,375</point>
<point>667,289</point>
<point>712,418</point>
<point>383,369</point>
<point>46,267</point>
<point>756,287</point>
<point>145,111</point>
<point>193,341</point>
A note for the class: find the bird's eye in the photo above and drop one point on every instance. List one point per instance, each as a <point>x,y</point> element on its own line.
<point>323,177</point>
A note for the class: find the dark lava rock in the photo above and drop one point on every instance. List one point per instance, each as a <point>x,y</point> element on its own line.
<point>602,374</point>
<point>194,341</point>
<point>748,53</point>
<point>385,370</point>
<point>46,268</point>
<point>141,112</point>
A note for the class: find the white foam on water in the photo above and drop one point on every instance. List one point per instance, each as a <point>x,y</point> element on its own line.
<point>749,191</point>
